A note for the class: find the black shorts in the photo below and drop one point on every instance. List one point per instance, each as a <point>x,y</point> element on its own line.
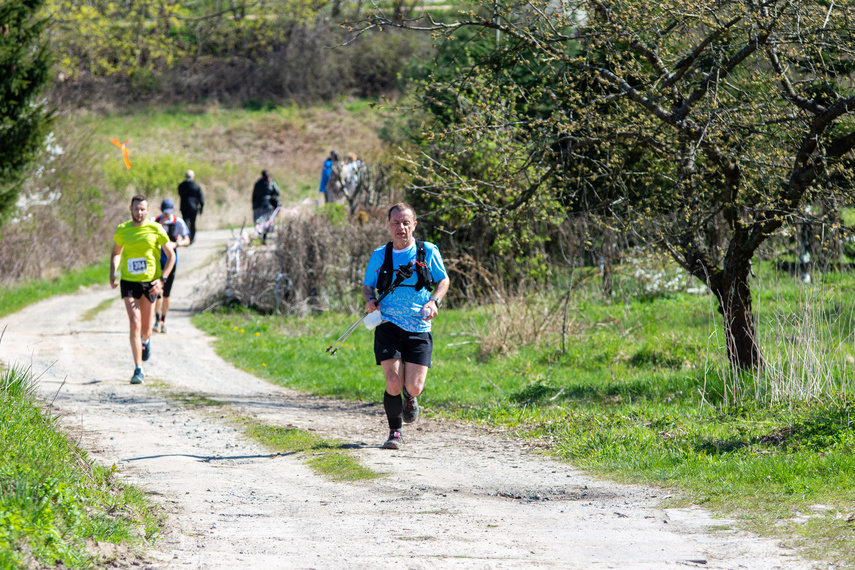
<point>167,284</point>
<point>391,341</point>
<point>137,289</point>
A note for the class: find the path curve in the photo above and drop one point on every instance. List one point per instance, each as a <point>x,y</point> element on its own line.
<point>455,497</point>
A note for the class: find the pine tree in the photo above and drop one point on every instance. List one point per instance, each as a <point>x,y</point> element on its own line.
<point>24,73</point>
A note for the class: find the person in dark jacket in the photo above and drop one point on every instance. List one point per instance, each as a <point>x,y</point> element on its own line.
<point>192,202</point>
<point>265,200</point>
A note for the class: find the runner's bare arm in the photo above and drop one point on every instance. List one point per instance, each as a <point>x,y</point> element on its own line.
<point>370,296</point>
<point>441,289</point>
<point>439,292</point>
<point>115,259</point>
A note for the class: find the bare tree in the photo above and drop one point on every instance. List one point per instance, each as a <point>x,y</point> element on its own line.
<point>703,126</point>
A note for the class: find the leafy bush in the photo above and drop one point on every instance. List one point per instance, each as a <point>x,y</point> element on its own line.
<point>156,175</point>
<point>260,69</point>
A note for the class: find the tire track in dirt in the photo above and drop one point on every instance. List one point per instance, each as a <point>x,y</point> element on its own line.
<point>455,497</point>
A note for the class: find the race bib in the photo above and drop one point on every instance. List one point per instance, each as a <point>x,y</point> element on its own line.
<point>137,266</point>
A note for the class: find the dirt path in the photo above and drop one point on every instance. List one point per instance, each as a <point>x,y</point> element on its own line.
<point>455,497</point>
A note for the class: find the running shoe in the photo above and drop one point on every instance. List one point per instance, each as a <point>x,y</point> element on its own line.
<point>156,327</point>
<point>395,441</point>
<point>411,409</point>
<point>146,349</point>
<point>138,376</point>
<point>163,327</point>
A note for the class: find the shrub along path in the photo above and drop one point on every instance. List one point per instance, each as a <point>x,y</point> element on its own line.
<point>456,496</point>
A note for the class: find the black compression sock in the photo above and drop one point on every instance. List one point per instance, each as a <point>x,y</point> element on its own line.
<point>394,410</point>
<point>158,317</point>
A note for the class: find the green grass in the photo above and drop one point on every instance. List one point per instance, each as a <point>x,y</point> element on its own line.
<point>16,297</point>
<point>640,394</point>
<point>92,314</point>
<point>54,501</point>
<point>326,457</point>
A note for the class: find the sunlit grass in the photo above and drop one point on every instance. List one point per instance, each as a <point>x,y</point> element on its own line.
<point>326,457</point>
<point>92,313</point>
<point>54,501</point>
<point>15,297</point>
<point>638,394</point>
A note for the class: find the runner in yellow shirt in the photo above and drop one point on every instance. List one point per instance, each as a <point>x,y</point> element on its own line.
<point>136,255</point>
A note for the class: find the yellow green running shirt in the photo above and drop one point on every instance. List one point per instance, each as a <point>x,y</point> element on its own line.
<point>141,254</point>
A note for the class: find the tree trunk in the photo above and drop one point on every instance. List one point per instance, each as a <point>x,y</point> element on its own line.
<point>733,292</point>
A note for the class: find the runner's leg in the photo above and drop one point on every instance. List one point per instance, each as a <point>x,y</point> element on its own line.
<point>414,378</point>
<point>392,404</point>
<point>146,308</point>
<point>393,370</point>
<point>158,312</point>
<point>132,306</point>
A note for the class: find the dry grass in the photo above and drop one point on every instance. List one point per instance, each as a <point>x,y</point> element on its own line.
<point>315,263</point>
<point>326,262</point>
<point>524,320</point>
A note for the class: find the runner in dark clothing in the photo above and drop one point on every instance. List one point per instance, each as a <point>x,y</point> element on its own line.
<point>192,202</point>
<point>179,235</point>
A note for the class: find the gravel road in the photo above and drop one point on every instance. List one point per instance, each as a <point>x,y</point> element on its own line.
<point>455,497</point>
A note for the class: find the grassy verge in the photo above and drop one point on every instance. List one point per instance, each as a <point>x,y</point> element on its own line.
<point>57,507</point>
<point>325,457</point>
<point>639,393</point>
<point>18,296</point>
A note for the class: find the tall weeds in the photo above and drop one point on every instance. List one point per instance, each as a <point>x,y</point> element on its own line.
<point>805,332</point>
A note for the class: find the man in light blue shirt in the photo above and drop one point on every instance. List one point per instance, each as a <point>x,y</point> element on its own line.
<point>403,343</point>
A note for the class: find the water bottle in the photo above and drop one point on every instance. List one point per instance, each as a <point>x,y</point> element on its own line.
<point>372,320</point>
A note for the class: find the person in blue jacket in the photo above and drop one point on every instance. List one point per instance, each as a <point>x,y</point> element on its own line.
<point>326,172</point>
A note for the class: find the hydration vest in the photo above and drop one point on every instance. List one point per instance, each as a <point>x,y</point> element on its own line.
<point>171,228</point>
<point>387,272</point>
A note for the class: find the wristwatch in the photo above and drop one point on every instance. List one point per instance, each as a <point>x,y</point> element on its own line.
<point>437,300</point>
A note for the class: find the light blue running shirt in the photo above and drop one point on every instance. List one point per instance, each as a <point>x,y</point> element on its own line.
<point>403,306</point>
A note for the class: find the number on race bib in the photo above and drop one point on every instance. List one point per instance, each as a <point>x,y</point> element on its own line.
<point>137,266</point>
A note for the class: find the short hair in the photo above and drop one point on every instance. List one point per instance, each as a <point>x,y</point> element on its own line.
<point>334,155</point>
<point>189,174</point>
<point>264,174</point>
<point>138,198</point>
<point>351,157</point>
<point>401,206</point>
